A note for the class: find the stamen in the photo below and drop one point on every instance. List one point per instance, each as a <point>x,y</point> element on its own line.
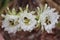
<point>13,23</point>
<point>47,21</point>
<point>26,20</point>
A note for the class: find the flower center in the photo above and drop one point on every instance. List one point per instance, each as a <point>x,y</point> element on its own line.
<point>13,23</point>
<point>47,21</point>
<point>26,20</point>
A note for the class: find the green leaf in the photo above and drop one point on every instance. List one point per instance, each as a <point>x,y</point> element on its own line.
<point>26,8</point>
<point>20,9</point>
<point>8,11</point>
<point>13,11</point>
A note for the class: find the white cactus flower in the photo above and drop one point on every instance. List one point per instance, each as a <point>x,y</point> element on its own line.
<point>27,21</point>
<point>48,18</point>
<point>10,23</point>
